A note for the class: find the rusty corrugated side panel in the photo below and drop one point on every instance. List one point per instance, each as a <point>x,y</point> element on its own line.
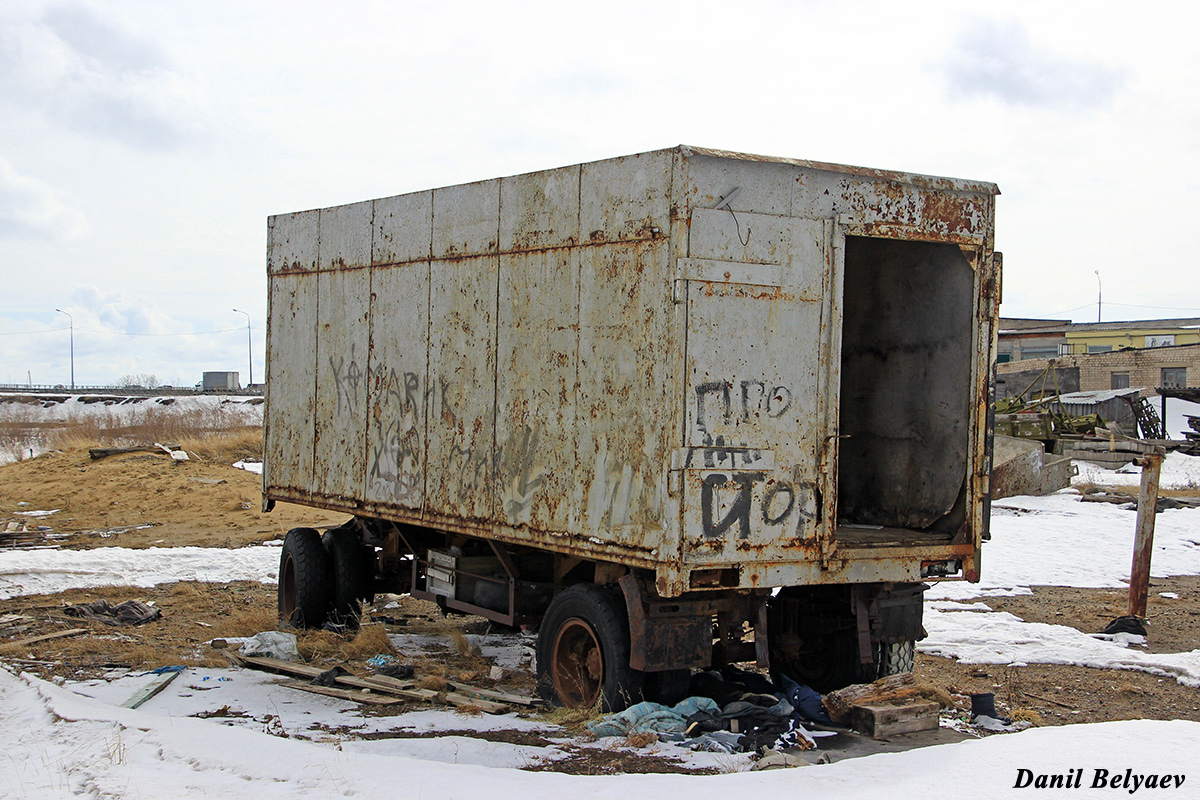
<point>343,305</point>
<point>537,352</point>
<point>628,358</point>
<point>291,352</point>
<point>398,391</point>
<point>462,353</point>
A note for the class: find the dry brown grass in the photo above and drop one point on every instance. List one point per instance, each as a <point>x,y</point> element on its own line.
<point>433,683</point>
<point>219,431</point>
<point>573,719</point>
<point>1028,715</point>
<point>465,647</point>
<point>316,646</point>
<point>643,739</point>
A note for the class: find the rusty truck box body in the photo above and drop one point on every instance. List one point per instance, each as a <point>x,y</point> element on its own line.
<point>732,370</point>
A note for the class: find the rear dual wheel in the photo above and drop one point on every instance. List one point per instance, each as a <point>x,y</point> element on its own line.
<point>322,578</point>
<point>303,579</point>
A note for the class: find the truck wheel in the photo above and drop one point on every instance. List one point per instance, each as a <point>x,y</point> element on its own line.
<point>349,575</point>
<point>668,687</point>
<point>895,659</point>
<point>825,663</point>
<point>583,651</point>
<point>303,579</point>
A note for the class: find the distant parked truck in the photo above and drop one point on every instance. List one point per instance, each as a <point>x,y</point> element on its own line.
<point>220,382</point>
<point>677,409</point>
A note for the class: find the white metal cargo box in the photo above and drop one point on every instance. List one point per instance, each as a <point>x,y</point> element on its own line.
<point>735,371</point>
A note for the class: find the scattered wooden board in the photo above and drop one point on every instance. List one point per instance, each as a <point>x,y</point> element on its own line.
<point>345,694</point>
<point>104,452</point>
<point>43,638</point>
<point>149,690</point>
<point>380,683</point>
<point>492,694</point>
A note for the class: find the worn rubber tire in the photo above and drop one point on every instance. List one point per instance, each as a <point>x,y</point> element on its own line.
<point>668,687</point>
<point>303,587</point>
<point>832,662</point>
<point>895,659</point>
<point>583,651</point>
<point>349,575</point>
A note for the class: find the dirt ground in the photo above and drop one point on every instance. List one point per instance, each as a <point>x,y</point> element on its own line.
<point>208,503</point>
<point>147,500</point>
<point>1064,695</point>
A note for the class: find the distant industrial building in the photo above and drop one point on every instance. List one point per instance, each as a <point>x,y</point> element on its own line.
<point>1097,356</point>
<point>221,382</point>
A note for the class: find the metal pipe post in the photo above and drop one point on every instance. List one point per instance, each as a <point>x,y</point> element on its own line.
<point>59,310</point>
<point>1143,542</point>
<point>249,350</point>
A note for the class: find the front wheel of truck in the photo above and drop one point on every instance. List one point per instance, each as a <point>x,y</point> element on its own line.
<point>303,579</point>
<point>583,651</point>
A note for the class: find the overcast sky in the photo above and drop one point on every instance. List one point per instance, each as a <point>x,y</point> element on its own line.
<point>144,144</point>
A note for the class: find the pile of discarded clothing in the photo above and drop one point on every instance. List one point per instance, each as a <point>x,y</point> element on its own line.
<point>729,711</point>
<point>131,612</point>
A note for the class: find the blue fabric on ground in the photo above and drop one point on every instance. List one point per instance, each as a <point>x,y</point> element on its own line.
<point>651,717</point>
<point>806,701</point>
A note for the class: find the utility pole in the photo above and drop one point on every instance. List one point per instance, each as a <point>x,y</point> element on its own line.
<point>59,310</point>
<point>249,349</point>
<point>1099,294</point>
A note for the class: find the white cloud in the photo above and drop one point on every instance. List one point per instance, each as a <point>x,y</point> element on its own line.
<point>91,77</point>
<point>997,60</point>
<point>32,208</point>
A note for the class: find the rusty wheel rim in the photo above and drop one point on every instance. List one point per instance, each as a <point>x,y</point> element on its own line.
<point>577,665</point>
<point>287,585</point>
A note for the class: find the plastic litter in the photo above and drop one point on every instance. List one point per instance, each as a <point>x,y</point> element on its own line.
<point>272,644</point>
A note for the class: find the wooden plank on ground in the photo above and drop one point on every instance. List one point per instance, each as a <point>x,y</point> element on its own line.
<point>345,694</point>
<point>149,690</point>
<point>43,638</point>
<point>380,683</point>
<point>492,694</point>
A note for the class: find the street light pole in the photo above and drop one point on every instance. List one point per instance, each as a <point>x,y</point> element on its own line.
<point>59,310</point>
<point>1099,294</point>
<point>249,349</point>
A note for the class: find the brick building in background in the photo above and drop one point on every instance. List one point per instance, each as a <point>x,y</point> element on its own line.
<point>1088,357</point>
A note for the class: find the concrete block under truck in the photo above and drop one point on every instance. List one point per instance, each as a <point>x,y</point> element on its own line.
<point>674,410</point>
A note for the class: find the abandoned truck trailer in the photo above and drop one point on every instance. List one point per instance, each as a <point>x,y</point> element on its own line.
<point>625,401</point>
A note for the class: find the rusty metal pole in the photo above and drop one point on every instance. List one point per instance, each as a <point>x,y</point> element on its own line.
<point>1143,542</point>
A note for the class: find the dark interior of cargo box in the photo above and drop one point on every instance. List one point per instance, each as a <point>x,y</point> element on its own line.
<point>905,391</point>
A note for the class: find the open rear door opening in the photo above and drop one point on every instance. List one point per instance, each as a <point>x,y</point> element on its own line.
<point>904,417</point>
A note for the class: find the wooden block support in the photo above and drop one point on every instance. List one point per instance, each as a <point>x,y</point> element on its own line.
<point>891,720</point>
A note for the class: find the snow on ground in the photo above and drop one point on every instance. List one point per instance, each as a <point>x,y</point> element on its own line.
<point>60,742</point>
<point>126,409</point>
<point>1178,472</point>
<point>57,744</point>
<point>1058,540</point>
<point>43,571</point>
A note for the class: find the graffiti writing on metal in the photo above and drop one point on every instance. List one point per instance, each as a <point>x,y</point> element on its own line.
<point>753,397</point>
<point>774,505</point>
<point>346,379</point>
<point>394,451</point>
